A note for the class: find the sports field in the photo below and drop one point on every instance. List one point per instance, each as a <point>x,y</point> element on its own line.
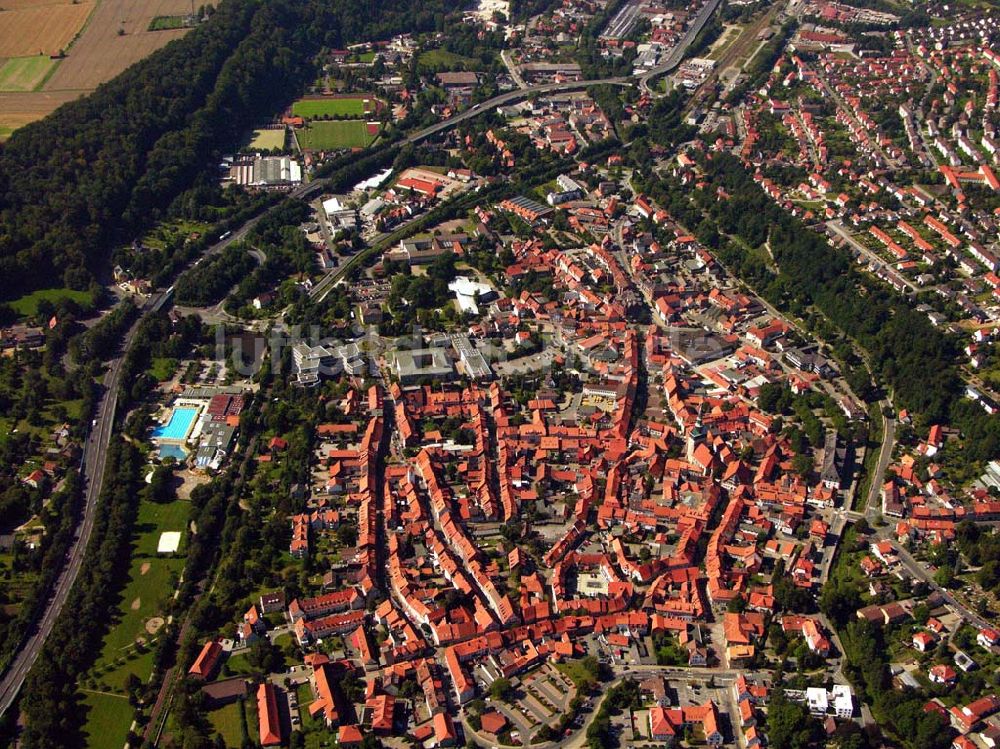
<point>25,73</point>
<point>267,140</point>
<point>328,135</point>
<point>333,107</point>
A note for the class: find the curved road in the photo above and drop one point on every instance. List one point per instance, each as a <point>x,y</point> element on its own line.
<point>96,448</point>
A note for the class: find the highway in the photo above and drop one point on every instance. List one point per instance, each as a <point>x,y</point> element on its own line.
<point>99,438</point>
<point>94,460</point>
<point>95,455</point>
<point>509,98</point>
<point>677,55</point>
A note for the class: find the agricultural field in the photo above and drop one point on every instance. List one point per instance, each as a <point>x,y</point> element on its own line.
<point>267,140</point>
<point>330,106</point>
<point>25,73</point>
<point>95,50</point>
<point>19,108</point>
<point>101,52</point>
<point>328,135</point>
<point>41,29</point>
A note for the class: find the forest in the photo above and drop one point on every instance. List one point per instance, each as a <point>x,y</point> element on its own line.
<point>99,170</point>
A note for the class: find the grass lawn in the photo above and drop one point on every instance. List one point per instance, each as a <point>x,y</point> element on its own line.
<point>437,60</point>
<point>227,723</point>
<point>237,665</point>
<point>166,23</point>
<point>108,720</point>
<point>25,73</point>
<point>332,107</point>
<point>143,593</point>
<point>328,135</point>
<point>162,369</point>
<point>267,140</point>
<point>577,672</point>
<point>27,305</point>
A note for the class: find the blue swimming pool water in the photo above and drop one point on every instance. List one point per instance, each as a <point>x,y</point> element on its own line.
<point>172,451</point>
<point>178,426</point>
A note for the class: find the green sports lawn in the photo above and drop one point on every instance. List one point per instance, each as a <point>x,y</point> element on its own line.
<point>328,135</point>
<point>330,107</point>
<point>268,140</point>
<point>25,73</point>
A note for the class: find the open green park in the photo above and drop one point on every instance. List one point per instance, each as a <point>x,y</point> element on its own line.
<point>108,715</point>
<point>151,581</point>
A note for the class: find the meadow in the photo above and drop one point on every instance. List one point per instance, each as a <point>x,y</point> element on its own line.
<point>25,73</point>
<point>151,581</point>
<point>167,23</point>
<point>27,305</point>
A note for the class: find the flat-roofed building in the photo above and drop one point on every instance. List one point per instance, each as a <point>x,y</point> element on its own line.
<point>420,364</point>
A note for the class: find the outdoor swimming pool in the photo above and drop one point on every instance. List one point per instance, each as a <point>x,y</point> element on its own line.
<point>176,452</point>
<point>179,425</point>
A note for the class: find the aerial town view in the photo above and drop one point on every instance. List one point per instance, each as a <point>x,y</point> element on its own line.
<point>568,374</point>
